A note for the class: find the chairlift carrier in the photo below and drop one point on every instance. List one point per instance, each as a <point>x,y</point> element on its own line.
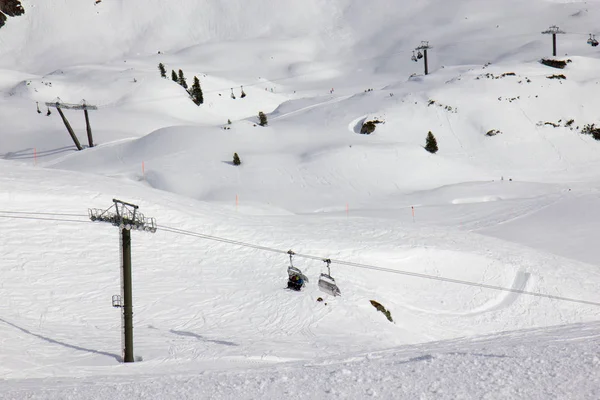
<point>327,283</point>
<point>295,272</point>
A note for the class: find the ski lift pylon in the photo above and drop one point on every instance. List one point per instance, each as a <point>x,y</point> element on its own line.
<point>327,283</point>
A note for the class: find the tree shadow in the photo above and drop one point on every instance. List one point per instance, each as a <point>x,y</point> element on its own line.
<point>30,153</point>
<point>202,338</point>
<point>53,341</point>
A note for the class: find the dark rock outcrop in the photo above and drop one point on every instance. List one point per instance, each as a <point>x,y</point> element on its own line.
<point>12,8</point>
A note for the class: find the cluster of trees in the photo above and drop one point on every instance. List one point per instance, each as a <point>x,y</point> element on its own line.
<point>195,91</point>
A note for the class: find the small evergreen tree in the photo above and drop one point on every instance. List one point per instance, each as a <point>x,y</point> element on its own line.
<point>262,118</point>
<point>163,71</point>
<point>174,76</point>
<point>196,92</point>
<point>181,80</point>
<point>236,159</point>
<point>430,143</point>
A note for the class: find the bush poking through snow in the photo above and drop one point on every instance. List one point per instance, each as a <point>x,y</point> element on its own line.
<point>561,76</point>
<point>431,143</point>
<point>262,118</point>
<point>554,63</point>
<point>163,71</point>
<point>368,127</point>
<point>236,159</point>
<point>492,132</point>
<point>381,308</point>
<point>174,76</point>
<point>591,129</point>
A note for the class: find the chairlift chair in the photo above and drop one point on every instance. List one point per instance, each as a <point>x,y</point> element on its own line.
<point>594,41</point>
<point>243,93</point>
<point>296,279</point>
<point>48,112</point>
<point>419,55</point>
<point>327,283</point>
<point>590,41</point>
<point>414,58</point>
<point>232,95</point>
<point>38,107</point>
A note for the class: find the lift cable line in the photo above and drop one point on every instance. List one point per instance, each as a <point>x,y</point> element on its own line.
<point>153,227</point>
<point>43,213</point>
<point>376,268</point>
<point>42,218</point>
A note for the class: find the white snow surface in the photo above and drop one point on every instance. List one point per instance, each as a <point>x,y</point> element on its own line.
<point>212,319</point>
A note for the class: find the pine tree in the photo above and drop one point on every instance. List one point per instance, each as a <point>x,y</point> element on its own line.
<point>430,143</point>
<point>163,71</point>
<point>236,159</point>
<point>174,76</point>
<point>262,118</point>
<point>181,80</point>
<point>196,92</point>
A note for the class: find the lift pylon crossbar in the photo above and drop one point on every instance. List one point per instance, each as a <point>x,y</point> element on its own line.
<point>68,106</point>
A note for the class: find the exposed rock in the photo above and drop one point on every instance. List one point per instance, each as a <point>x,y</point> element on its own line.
<point>368,127</point>
<point>12,8</point>
<point>554,63</point>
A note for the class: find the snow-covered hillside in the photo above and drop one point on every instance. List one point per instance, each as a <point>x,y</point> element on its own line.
<point>492,235</point>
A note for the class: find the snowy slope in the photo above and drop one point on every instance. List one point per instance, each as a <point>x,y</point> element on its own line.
<point>515,211</point>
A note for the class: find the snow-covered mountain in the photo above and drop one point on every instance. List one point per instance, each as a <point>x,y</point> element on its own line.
<point>492,235</point>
